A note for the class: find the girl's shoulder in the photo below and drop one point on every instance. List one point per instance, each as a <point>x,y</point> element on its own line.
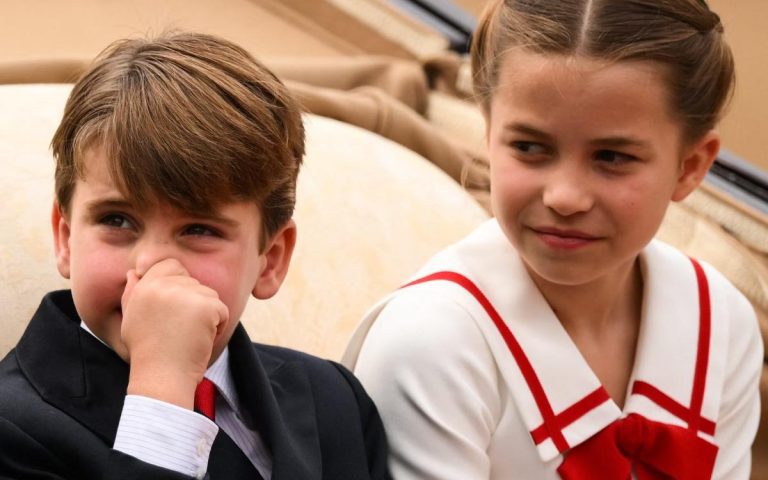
<point>695,281</point>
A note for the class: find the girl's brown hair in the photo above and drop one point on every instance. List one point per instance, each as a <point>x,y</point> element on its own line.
<point>683,36</point>
<point>187,118</point>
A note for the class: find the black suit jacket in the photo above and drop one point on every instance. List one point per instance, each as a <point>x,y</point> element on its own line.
<point>62,393</point>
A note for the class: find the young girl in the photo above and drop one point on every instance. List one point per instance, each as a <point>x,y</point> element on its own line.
<point>559,340</point>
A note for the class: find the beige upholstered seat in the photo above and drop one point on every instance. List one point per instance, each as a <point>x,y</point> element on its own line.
<point>369,213</point>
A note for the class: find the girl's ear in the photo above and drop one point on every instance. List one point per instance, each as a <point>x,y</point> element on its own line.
<point>277,256</point>
<point>61,233</point>
<point>695,163</point>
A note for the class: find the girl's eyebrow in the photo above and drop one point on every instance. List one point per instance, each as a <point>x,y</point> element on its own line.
<point>622,142</point>
<point>525,129</point>
<point>611,141</point>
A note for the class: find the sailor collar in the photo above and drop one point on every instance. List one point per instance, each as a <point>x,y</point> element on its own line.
<point>559,398</point>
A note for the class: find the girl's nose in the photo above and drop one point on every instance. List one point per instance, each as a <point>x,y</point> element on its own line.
<point>568,193</point>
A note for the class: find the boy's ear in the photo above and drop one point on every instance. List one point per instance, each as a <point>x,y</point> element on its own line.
<point>61,231</point>
<point>695,163</point>
<point>277,255</point>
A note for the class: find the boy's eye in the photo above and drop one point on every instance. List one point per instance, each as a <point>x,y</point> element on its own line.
<point>613,158</point>
<point>201,231</point>
<point>116,220</point>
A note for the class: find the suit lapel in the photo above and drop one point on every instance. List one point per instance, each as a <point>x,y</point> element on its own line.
<point>279,402</point>
<point>72,370</point>
<point>228,461</point>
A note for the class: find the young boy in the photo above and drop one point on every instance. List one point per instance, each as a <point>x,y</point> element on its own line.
<point>176,166</point>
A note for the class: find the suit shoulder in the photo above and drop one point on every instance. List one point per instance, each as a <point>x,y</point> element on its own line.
<point>313,364</point>
<point>327,377</point>
<point>15,389</point>
<point>287,354</point>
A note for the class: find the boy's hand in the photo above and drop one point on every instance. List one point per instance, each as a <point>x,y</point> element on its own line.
<point>170,321</point>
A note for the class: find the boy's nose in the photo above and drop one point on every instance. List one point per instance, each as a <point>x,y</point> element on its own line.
<point>148,252</point>
<point>568,193</point>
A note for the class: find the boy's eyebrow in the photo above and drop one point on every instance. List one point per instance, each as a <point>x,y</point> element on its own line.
<point>615,141</point>
<point>216,218</point>
<point>123,204</point>
<point>104,203</point>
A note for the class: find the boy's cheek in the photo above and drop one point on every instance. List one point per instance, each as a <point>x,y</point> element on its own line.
<point>92,258</point>
<point>102,318</point>
<point>109,333</point>
<point>97,283</point>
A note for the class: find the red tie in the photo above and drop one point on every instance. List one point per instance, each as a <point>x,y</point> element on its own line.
<point>205,398</point>
<point>655,450</point>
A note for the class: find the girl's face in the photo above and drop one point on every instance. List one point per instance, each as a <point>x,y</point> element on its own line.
<point>585,157</point>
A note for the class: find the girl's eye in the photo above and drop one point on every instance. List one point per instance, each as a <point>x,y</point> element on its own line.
<point>201,231</point>
<point>613,158</point>
<point>529,148</point>
<point>116,220</point>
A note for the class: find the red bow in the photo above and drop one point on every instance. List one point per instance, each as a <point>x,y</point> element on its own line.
<point>655,450</point>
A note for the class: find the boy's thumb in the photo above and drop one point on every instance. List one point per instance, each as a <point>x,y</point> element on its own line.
<point>131,278</point>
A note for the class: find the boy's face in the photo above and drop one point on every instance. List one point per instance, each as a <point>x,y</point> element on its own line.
<point>104,236</point>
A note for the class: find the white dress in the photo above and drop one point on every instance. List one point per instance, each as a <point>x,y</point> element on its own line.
<point>475,377</point>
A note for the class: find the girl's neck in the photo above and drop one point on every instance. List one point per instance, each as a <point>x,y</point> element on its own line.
<point>594,308</point>
<point>603,320</point>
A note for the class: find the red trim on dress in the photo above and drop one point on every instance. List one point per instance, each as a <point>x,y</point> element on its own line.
<point>550,424</point>
<point>553,425</point>
<point>702,356</point>
<point>691,416</point>
<point>573,413</point>
<point>671,405</point>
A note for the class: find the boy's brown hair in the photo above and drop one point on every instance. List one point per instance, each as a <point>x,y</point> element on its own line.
<point>187,118</point>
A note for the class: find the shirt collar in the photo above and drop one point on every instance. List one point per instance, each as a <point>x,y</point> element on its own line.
<point>221,376</point>
<point>85,327</point>
<point>218,372</point>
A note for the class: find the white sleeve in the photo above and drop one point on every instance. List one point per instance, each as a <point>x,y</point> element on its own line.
<point>740,406</point>
<point>165,435</point>
<point>428,368</point>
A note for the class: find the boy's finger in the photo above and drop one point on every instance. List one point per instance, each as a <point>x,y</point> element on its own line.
<point>131,279</point>
<point>165,268</point>
<point>223,318</point>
